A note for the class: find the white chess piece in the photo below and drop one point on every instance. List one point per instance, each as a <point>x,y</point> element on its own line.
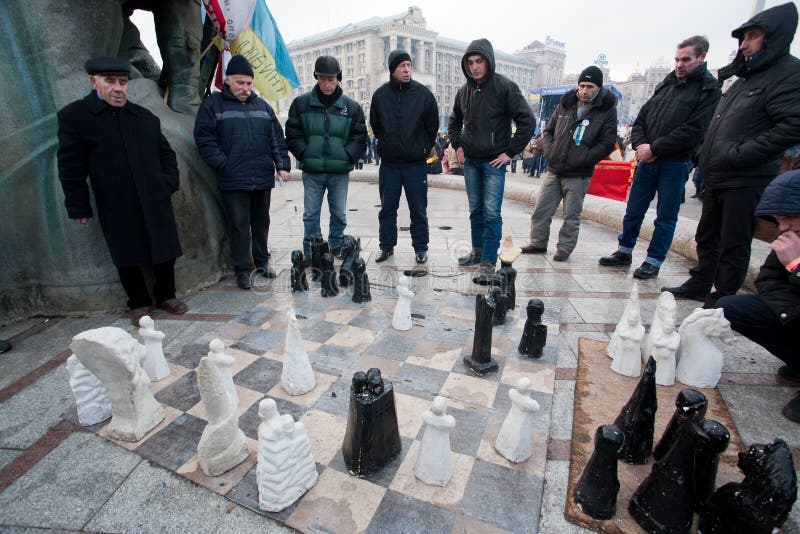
<point>114,357</point>
<point>155,364</point>
<point>297,376</point>
<point>402,311</point>
<point>514,439</point>
<point>435,460</point>
<point>666,311</point>
<point>224,363</point>
<point>285,468</point>
<point>90,395</point>
<point>633,302</point>
<point>628,354</point>
<point>699,360</point>
<point>665,344</point>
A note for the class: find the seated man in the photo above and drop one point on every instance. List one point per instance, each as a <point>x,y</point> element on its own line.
<point>771,317</point>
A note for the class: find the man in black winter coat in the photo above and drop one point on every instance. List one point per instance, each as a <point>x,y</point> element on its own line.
<point>404,118</point>
<point>756,120</point>
<point>133,172</point>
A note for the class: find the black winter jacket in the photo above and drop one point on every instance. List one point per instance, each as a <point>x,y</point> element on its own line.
<point>482,113</point>
<point>758,118</point>
<point>674,120</point>
<point>242,141</point>
<point>564,157</point>
<point>405,119</point>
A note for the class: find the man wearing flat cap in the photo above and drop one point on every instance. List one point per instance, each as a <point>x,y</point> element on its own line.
<point>404,118</point>
<point>133,172</point>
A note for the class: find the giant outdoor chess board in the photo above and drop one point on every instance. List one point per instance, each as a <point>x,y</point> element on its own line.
<point>486,494</point>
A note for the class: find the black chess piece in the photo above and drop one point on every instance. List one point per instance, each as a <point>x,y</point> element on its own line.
<point>361,292</point>
<point>534,335</point>
<point>318,247</point>
<point>372,438</point>
<point>689,404</point>
<point>762,501</point>
<point>349,252</point>
<point>501,300</point>
<point>712,440</point>
<point>480,361</point>
<point>638,417</point>
<point>298,272</point>
<point>596,490</point>
<point>328,280</point>
<point>510,275</point>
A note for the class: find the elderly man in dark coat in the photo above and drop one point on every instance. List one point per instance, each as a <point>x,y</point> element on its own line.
<point>133,172</point>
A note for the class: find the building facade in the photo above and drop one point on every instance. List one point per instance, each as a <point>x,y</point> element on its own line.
<point>549,59</point>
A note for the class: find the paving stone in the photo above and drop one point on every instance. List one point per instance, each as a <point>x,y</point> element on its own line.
<point>756,411</point>
<point>561,413</point>
<point>556,480</point>
<point>401,514</point>
<point>7,456</point>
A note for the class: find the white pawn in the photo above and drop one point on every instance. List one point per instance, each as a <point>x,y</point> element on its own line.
<point>435,461</point>
<point>699,360</point>
<point>297,376</point>
<point>155,364</point>
<point>90,395</point>
<point>665,313</point>
<point>633,302</point>
<point>514,439</point>
<point>402,311</point>
<point>665,344</point>
<point>628,354</point>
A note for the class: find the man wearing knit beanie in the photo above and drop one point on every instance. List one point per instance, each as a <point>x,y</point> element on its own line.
<point>405,119</point>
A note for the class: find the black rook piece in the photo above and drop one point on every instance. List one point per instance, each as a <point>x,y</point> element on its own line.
<point>329,287</point>
<point>318,247</point>
<point>510,275</point>
<point>298,272</point>
<point>534,335</point>
<point>480,361</point>
<point>596,490</point>
<point>637,418</point>
<point>690,404</point>
<point>349,250</point>
<point>360,282</point>
<point>372,438</point>
<point>762,501</point>
<point>500,299</point>
<point>712,441</point>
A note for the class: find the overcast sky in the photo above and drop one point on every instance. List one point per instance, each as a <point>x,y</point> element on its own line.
<point>625,31</point>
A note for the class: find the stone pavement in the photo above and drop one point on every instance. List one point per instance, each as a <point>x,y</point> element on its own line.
<point>54,476</point>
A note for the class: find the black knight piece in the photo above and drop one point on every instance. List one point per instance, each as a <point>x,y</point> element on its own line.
<point>298,273</point>
<point>318,247</point>
<point>500,299</point>
<point>690,404</point>
<point>638,417</point>
<point>361,291</point>
<point>349,252</point>
<point>712,440</point>
<point>328,280</point>
<point>534,335</point>
<point>510,275</point>
<point>480,361</point>
<point>596,490</point>
<point>372,438</point>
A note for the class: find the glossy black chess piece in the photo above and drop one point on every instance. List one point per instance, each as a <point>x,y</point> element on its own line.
<point>500,299</point>
<point>318,247</point>
<point>712,440</point>
<point>361,292</point>
<point>510,275</point>
<point>689,404</point>
<point>349,252</point>
<point>638,417</point>
<point>328,280</point>
<point>762,501</point>
<point>534,335</point>
<point>372,438</point>
<point>597,488</point>
<point>480,360</point>
<point>298,272</point>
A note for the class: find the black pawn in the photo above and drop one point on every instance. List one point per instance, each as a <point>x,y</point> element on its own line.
<point>500,299</point>
<point>711,442</point>
<point>318,247</point>
<point>638,417</point>
<point>510,275</point>
<point>372,438</point>
<point>298,272</point>
<point>361,291</point>
<point>690,404</point>
<point>596,490</point>
<point>534,335</point>
<point>329,288</point>
<point>480,361</point>
<point>349,251</point>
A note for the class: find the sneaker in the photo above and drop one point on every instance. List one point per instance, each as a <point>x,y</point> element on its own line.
<point>685,291</point>
<point>473,258</point>
<point>266,272</point>
<point>422,256</point>
<point>530,249</point>
<point>487,273</point>
<point>384,255</point>
<point>646,271</point>
<point>243,280</point>
<point>617,259</point>
<point>560,255</point>
<point>792,409</point>
<point>787,373</point>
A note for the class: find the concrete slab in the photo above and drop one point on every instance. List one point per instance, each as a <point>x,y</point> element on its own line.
<point>7,456</point>
<point>556,478</point>
<point>242,521</point>
<point>561,414</point>
<point>756,411</point>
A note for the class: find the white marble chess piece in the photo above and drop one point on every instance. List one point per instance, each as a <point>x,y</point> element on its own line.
<point>514,439</point>
<point>665,345</point>
<point>666,312</point>
<point>297,376</point>
<point>114,357</point>
<point>628,353</point>
<point>285,468</point>
<point>633,302</point>
<point>401,320</point>
<point>155,364</point>
<point>224,363</point>
<point>435,460</point>
<point>90,395</point>
<point>699,359</point>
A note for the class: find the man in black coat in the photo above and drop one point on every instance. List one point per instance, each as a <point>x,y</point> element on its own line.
<point>404,118</point>
<point>756,120</point>
<point>133,172</point>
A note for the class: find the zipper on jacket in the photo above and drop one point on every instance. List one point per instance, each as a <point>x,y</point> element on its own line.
<point>326,144</point>
<point>250,136</point>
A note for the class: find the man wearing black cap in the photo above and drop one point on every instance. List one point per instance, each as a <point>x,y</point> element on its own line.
<point>238,135</point>
<point>133,172</point>
<point>581,132</point>
<point>405,119</point>
<point>327,133</point>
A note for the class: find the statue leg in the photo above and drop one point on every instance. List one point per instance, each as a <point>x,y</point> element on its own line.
<point>179,31</point>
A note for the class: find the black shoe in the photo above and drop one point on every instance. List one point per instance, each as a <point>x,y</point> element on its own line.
<point>646,271</point>
<point>336,252</point>
<point>787,373</point>
<point>560,255</point>
<point>473,258</point>
<point>710,302</point>
<point>792,409</point>
<point>422,256</point>
<point>243,280</point>
<point>618,259</point>
<point>384,255</point>
<point>5,346</point>
<point>266,272</point>
<point>530,249</point>
<point>487,273</point>
<point>687,292</point>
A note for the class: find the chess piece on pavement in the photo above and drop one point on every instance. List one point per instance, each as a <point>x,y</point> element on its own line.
<point>318,247</point>
<point>435,461</point>
<point>637,418</point>
<point>328,280</point>
<point>597,488</point>
<point>401,320</point>
<point>480,360</point>
<point>155,364</point>
<point>665,314</point>
<point>633,302</point>
<point>627,358</point>
<point>534,335</point>
<point>361,292</point>
<point>690,404</point>
<point>297,376</point>
<point>712,440</point>
<point>500,299</point>
<point>514,439</point>
<point>299,281</point>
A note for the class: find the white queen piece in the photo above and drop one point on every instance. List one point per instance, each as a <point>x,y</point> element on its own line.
<point>514,439</point>
<point>435,460</point>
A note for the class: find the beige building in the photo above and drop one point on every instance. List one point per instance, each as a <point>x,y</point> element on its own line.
<point>549,59</point>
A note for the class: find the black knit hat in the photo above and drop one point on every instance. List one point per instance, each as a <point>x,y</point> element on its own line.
<point>327,66</point>
<point>593,75</point>
<point>107,65</point>
<point>396,57</point>
<point>239,65</point>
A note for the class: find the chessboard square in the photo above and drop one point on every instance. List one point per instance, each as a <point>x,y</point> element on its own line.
<point>325,434</point>
<point>189,355</point>
<point>471,422</point>
<point>319,331</point>
<point>332,360</point>
<point>409,413</point>
<point>393,347</point>
<point>261,375</point>
<point>353,338</point>
<point>442,360</point>
<point>402,514</point>
<point>342,503</point>
<point>259,341</point>
<point>468,525</point>
<point>223,483</point>
<point>533,466</point>
<point>250,420</point>
<point>241,359</point>
<point>384,476</point>
<point>231,332</point>
<point>452,336</point>
<point>373,317</point>
<point>419,381</point>
<point>182,394</point>
<point>246,399</point>
<point>461,313</point>
<point>460,368</point>
<point>336,400</point>
<point>175,372</point>
<point>170,414</point>
<point>174,445</point>
<point>365,362</point>
<point>340,315</point>
<point>255,316</point>
<point>324,381</point>
<point>541,375</point>
<point>449,496</point>
<point>469,389</point>
<point>503,497</point>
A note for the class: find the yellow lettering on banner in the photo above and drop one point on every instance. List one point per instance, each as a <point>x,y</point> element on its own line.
<point>267,79</point>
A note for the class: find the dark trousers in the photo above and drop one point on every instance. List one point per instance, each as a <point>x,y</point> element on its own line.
<point>135,286</point>
<point>753,318</point>
<point>248,226</point>
<point>413,179</point>
<point>723,237</point>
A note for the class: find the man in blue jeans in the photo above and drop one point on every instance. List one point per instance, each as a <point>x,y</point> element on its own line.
<point>669,128</point>
<point>480,131</point>
<point>327,133</point>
